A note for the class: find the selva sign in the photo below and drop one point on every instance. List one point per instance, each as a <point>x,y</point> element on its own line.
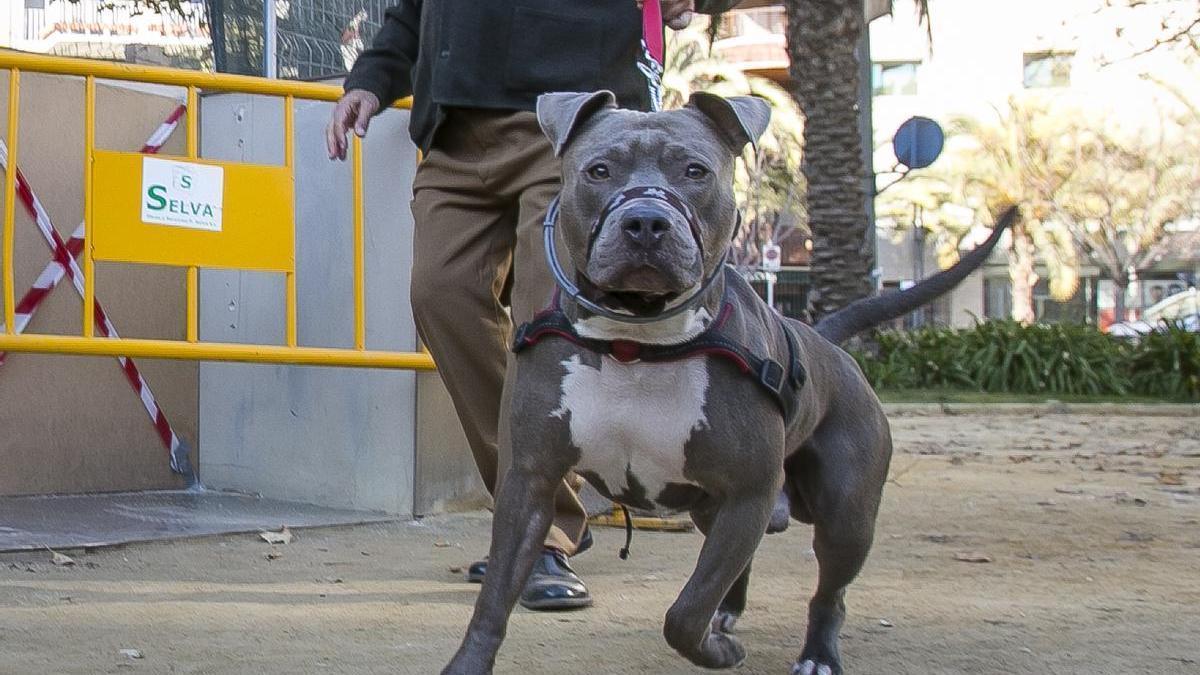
<point>182,194</point>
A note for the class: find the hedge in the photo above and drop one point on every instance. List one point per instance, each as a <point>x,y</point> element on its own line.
<point>1007,357</point>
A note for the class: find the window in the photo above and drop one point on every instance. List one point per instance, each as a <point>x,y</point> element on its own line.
<point>895,78</point>
<point>1048,69</point>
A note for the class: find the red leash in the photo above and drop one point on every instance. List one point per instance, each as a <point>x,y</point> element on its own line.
<point>651,61</point>
<point>652,29</point>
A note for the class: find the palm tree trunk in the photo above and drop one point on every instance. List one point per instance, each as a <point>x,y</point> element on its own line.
<point>822,39</point>
<point>1022,275</point>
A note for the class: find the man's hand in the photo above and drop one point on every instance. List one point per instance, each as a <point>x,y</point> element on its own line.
<point>353,110</point>
<point>676,13</point>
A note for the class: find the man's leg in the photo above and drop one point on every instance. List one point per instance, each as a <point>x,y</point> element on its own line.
<point>462,245</point>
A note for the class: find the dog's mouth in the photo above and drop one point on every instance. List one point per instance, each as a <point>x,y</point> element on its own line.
<point>636,303</point>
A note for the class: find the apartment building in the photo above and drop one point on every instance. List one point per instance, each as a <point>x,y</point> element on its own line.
<point>973,58</point>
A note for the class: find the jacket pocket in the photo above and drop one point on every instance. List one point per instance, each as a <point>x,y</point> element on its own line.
<point>552,52</point>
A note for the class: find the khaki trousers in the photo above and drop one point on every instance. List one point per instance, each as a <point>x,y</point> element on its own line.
<point>479,198</point>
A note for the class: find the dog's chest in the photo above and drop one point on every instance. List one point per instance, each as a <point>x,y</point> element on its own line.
<point>632,421</point>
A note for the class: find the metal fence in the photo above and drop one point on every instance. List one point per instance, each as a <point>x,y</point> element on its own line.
<point>791,290</point>
<point>256,229</point>
<point>315,38</point>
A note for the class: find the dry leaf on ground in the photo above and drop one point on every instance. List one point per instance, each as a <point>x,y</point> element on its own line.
<point>283,536</point>
<point>1170,477</point>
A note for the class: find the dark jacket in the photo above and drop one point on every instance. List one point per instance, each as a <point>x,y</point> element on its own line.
<point>502,54</point>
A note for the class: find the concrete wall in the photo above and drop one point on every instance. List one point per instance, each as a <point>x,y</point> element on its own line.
<point>445,475</point>
<point>332,436</point>
<point>73,424</point>
<point>966,301</point>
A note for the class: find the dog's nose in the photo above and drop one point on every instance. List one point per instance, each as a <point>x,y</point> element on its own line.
<point>645,227</point>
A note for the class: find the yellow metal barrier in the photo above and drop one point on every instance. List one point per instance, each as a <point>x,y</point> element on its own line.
<point>257,233</point>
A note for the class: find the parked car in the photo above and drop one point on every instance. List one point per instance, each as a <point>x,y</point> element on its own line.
<point>1182,309</point>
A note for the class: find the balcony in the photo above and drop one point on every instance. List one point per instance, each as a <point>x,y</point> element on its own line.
<point>755,41</point>
<point>102,26</point>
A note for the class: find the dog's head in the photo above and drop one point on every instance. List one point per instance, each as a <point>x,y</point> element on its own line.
<point>647,207</point>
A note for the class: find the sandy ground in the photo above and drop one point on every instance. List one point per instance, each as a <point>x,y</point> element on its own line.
<point>1092,526</point>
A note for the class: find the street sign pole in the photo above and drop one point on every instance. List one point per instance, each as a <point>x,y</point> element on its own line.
<point>772,262</point>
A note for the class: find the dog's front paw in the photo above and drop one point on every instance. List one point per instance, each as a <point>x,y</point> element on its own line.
<point>702,642</point>
<point>815,666</point>
<point>467,664</point>
<point>721,650</point>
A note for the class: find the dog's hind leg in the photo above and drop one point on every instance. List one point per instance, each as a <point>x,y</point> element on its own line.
<point>842,484</point>
<point>781,515</point>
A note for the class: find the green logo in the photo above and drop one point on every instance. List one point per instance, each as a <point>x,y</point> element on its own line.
<point>156,200</point>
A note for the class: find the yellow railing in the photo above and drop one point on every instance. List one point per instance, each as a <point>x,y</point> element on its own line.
<point>191,348</point>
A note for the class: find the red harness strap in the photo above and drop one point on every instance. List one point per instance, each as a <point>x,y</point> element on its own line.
<point>783,385</point>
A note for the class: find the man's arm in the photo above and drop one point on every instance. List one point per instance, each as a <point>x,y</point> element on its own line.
<point>381,75</point>
<point>385,69</point>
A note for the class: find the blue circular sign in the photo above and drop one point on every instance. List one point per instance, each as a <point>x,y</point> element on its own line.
<point>918,142</point>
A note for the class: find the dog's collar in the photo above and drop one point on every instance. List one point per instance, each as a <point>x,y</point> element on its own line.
<point>782,383</point>
<point>572,291</point>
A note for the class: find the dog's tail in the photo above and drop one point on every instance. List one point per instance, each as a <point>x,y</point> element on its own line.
<point>868,312</point>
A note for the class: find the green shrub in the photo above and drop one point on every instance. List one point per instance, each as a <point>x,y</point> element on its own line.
<point>1167,364</point>
<point>1007,357</point>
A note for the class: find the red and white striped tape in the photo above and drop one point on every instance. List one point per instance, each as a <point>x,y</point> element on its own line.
<point>46,281</point>
<point>65,264</point>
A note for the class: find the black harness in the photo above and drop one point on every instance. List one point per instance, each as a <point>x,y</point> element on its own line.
<point>781,384</point>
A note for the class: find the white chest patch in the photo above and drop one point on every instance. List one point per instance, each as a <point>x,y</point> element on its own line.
<point>634,418</point>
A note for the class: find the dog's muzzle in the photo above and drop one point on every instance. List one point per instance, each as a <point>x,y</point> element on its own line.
<point>651,193</point>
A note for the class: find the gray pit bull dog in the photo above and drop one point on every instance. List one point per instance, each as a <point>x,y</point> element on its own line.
<point>659,376</point>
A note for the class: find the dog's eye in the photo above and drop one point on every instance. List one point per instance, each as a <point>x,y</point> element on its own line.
<point>598,171</point>
<point>696,171</point>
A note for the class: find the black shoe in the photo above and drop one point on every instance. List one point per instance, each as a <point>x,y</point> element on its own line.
<point>553,585</point>
<point>477,569</point>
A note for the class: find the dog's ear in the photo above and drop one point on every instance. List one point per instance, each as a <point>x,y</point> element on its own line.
<point>742,119</point>
<point>561,115</point>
